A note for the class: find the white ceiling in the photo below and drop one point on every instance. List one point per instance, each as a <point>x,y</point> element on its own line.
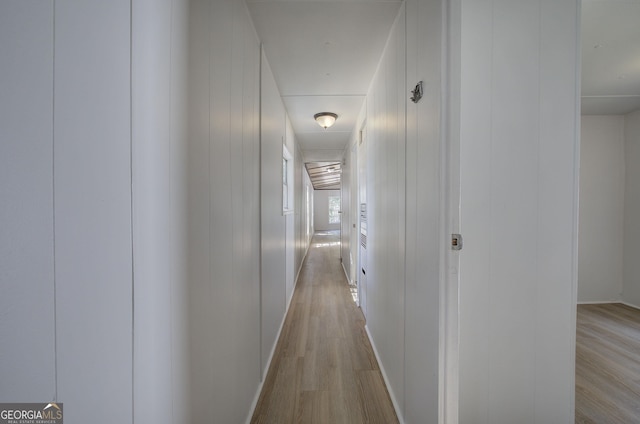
<point>610,57</point>
<point>324,53</point>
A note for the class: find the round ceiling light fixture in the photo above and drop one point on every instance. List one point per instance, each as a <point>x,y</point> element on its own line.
<point>325,119</point>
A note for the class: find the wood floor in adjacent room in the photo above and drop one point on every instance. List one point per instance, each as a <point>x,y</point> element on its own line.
<point>608,364</point>
<point>324,369</point>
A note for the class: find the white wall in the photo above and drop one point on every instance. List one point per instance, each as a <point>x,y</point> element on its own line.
<point>159,146</point>
<point>404,143</point>
<point>27,284</point>
<point>203,207</point>
<point>273,261</point>
<point>224,211</point>
<point>321,210</point>
<point>601,229</point>
<point>220,195</point>
<point>518,66</point>
<point>425,217</point>
<point>66,247</point>
<point>92,206</point>
<point>385,171</point>
<point>130,245</point>
<point>631,292</point>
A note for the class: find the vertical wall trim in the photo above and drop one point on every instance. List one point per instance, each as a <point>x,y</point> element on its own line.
<point>260,73</point>
<point>448,314</point>
<point>131,216</point>
<point>407,85</point>
<point>171,233</point>
<point>209,220</point>
<point>538,160</point>
<point>576,196</point>
<point>53,191</point>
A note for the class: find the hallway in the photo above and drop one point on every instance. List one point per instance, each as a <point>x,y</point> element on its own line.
<point>157,210</point>
<point>324,369</point>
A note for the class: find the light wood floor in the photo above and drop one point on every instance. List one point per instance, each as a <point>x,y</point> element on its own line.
<point>323,369</point>
<point>608,364</point>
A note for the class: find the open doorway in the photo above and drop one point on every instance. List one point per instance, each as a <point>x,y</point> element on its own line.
<point>326,180</point>
<point>608,293</point>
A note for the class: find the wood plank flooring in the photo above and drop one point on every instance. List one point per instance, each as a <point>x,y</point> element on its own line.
<point>608,364</point>
<point>324,369</point>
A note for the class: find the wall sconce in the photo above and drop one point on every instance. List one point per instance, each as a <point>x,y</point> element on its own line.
<point>325,119</point>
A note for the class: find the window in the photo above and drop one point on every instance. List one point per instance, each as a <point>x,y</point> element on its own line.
<point>287,181</point>
<point>334,209</point>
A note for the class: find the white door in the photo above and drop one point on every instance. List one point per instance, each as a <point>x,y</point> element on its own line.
<point>354,239</point>
<point>361,210</point>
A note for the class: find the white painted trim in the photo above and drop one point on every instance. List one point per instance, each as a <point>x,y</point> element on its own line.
<point>449,325</point>
<point>263,372</point>
<point>600,302</point>
<point>576,204</point>
<point>631,305</point>
<point>345,272</point>
<point>396,406</point>
<point>295,282</point>
<point>254,403</point>
<point>605,302</point>
<point>293,293</point>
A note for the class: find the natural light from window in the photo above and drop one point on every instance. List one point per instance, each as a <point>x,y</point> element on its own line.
<point>334,209</point>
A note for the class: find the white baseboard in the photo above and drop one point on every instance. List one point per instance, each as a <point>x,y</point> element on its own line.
<point>394,401</point>
<point>302,263</point>
<point>345,273</point>
<point>263,372</point>
<point>604,302</point>
<point>254,403</point>
<point>631,305</point>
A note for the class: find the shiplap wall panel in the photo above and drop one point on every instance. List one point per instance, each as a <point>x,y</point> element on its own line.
<point>557,248</point>
<point>179,214</point>
<point>92,183</point>
<point>423,213</point>
<point>386,143</point>
<point>151,154</point>
<point>273,262</point>
<point>513,201</point>
<point>27,356</point>
<point>248,217</point>
<point>300,172</point>
<point>518,145</point>
<point>601,227</point>
<point>631,290</point>
<point>224,235</point>
<point>203,22</point>
<point>220,224</point>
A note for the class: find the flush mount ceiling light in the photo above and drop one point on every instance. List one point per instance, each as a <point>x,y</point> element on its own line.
<point>325,119</point>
